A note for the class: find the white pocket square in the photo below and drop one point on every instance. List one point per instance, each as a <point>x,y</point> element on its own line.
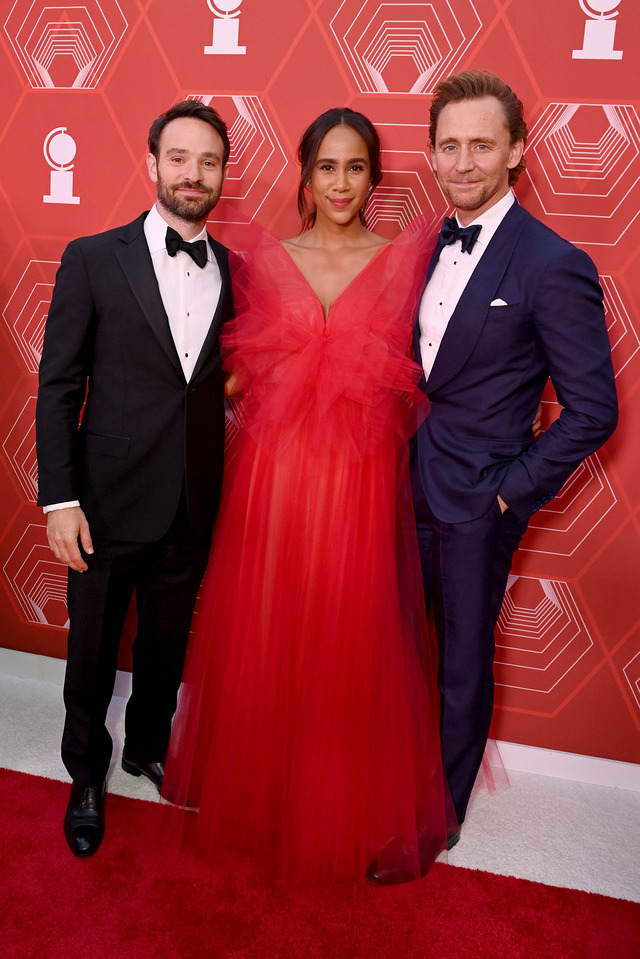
<point>498,303</point>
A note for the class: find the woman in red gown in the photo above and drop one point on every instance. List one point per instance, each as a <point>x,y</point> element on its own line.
<point>307,729</point>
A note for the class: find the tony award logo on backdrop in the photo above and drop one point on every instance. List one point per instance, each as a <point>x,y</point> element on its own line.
<point>59,150</point>
<point>599,31</point>
<point>226,25</point>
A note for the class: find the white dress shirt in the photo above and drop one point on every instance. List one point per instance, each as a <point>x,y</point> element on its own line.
<point>449,279</point>
<point>189,294</point>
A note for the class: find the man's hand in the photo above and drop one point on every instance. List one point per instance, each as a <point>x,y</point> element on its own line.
<point>537,430</point>
<point>536,426</point>
<point>64,526</point>
<point>233,388</point>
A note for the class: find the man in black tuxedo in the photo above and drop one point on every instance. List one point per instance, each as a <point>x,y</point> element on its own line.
<point>131,483</point>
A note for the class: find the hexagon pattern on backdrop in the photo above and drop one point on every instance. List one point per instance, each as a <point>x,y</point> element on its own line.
<point>81,83</point>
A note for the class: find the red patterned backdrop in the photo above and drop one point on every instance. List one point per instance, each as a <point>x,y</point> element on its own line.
<point>81,83</point>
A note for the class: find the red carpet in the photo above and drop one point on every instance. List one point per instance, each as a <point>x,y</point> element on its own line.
<point>132,901</point>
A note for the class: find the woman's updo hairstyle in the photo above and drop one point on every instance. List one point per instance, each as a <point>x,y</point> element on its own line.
<point>310,144</point>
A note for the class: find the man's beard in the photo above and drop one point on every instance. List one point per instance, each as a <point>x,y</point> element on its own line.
<point>187,208</point>
<point>484,190</point>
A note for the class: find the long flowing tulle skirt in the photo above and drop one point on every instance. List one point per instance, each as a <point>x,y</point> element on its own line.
<point>307,729</point>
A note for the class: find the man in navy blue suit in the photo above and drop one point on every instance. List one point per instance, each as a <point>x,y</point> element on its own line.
<point>507,304</point>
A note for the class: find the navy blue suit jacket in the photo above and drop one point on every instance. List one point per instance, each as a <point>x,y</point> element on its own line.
<point>492,366</point>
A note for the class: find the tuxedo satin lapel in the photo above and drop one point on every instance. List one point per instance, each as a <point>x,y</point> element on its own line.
<point>470,314</point>
<point>218,315</point>
<point>135,260</point>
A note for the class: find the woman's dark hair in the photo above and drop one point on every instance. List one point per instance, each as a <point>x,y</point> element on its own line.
<point>197,111</point>
<point>473,85</point>
<point>310,144</point>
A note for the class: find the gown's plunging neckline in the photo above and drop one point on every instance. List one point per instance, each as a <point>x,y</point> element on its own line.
<point>343,292</point>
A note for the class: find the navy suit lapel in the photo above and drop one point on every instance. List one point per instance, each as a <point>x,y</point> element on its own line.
<point>135,260</point>
<point>470,314</point>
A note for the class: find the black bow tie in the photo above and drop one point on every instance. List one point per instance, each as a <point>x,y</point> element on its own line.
<point>451,232</point>
<point>197,251</point>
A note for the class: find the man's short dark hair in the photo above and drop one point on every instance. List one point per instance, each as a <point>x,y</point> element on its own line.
<point>197,111</point>
<point>473,85</point>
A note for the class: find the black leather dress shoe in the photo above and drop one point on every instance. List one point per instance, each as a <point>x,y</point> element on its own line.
<point>391,867</point>
<point>84,819</point>
<point>153,771</point>
<point>453,838</point>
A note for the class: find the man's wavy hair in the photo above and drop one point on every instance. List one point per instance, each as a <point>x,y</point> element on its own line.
<point>473,85</point>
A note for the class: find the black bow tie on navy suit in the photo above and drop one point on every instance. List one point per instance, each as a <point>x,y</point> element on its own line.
<point>451,232</point>
<point>197,251</point>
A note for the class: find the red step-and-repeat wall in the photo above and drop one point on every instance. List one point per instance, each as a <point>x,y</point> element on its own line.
<point>81,83</point>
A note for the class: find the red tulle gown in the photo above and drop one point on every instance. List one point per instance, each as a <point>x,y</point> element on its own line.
<point>307,728</point>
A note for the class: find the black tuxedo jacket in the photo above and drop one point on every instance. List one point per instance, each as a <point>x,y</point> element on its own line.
<point>531,309</point>
<point>144,431</point>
